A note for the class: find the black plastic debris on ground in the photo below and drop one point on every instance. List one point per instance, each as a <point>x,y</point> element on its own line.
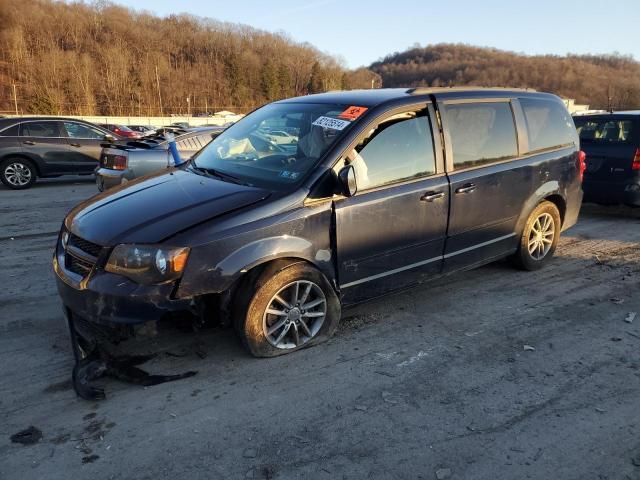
<point>124,368</point>
<point>27,437</point>
<point>93,361</point>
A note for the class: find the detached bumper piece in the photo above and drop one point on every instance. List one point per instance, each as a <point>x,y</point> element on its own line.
<point>93,359</point>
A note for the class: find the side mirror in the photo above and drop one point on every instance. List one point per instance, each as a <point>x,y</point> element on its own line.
<point>347,181</point>
<point>109,138</point>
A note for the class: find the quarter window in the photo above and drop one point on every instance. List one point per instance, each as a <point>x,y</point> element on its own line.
<point>77,130</point>
<point>40,129</point>
<point>401,148</point>
<point>481,133</point>
<point>548,124</point>
<point>11,131</point>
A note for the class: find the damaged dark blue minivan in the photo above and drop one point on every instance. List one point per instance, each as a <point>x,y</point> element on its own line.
<point>314,203</point>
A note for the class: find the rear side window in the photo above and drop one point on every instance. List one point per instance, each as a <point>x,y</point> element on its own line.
<point>194,143</point>
<point>40,129</point>
<point>604,130</point>
<point>548,124</point>
<point>401,148</point>
<point>13,131</point>
<point>481,133</point>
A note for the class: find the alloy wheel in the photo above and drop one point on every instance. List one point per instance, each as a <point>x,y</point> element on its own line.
<point>294,315</point>
<point>541,236</point>
<point>17,174</point>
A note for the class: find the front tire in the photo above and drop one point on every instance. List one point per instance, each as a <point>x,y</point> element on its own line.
<point>539,237</point>
<point>289,309</point>
<point>18,173</point>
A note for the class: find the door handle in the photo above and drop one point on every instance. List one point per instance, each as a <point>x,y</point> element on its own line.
<point>431,196</point>
<point>468,188</point>
<point>29,142</point>
<point>75,145</point>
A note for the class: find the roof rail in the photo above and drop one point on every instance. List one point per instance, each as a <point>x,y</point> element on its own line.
<point>427,90</point>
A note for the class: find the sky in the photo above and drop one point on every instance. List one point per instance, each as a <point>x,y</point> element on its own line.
<point>364,31</point>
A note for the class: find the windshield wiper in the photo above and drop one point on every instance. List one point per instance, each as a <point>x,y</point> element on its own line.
<point>226,177</point>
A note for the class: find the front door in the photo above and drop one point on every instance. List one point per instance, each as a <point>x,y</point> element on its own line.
<point>391,233</point>
<point>84,146</point>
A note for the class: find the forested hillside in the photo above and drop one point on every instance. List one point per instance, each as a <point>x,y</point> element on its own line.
<point>76,58</point>
<point>102,59</point>
<point>594,79</point>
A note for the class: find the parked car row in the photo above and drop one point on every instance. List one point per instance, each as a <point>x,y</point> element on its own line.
<point>47,147</point>
<point>380,190</point>
<point>42,147</point>
<point>121,163</point>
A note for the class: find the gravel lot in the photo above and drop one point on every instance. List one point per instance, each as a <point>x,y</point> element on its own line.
<point>435,382</point>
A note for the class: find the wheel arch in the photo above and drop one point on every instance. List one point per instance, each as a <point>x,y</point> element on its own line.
<point>559,201</point>
<point>23,156</point>
<point>549,191</point>
<point>239,292</point>
<point>203,278</point>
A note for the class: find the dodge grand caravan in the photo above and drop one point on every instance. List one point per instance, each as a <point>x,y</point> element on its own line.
<point>382,189</point>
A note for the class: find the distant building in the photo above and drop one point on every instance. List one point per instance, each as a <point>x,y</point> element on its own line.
<point>574,107</point>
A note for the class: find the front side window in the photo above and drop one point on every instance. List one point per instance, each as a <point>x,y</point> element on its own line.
<point>77,130</point>
<point>481,133</point>
<point>40,130</point>
<point>399,149</point>
<point>604,131</point>
<point>548,124</point>
<point>249,152</point>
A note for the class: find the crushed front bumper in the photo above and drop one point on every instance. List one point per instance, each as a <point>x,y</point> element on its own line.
<point>103,310</point>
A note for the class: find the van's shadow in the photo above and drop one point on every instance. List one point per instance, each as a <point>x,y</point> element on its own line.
<point>593,210</point>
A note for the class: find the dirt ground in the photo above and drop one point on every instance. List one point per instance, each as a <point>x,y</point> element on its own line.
<point>492,374</point>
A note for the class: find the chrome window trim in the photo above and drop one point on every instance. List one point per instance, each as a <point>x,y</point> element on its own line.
<point>479,245</point>
<point>391,272</point>
<point>20,122</point>
<point>425,262</point>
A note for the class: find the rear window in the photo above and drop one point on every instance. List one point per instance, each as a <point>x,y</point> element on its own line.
<point>194,143</point>
<point>548,124</point>
<point>481,133</point>
<point>40,130</point>
<point>604,130</point>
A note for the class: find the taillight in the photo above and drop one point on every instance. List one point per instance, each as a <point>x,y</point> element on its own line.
<point>635,165</point>
<point>582,163</point>
<point>119,162</point>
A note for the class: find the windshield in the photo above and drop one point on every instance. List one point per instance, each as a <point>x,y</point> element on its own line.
<point>277,145</point>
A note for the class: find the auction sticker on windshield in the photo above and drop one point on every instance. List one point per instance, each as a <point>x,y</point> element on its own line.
<point>352,113</point>
<point>332,123</point>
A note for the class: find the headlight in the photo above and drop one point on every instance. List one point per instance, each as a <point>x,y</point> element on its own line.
<point>148,264</point>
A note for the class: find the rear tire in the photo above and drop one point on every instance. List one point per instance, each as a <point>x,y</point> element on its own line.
<point>539,237</point>
<point>18,173</point>
<point>286,310</point>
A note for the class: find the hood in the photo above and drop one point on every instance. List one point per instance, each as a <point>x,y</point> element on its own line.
<point>151,209</point>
